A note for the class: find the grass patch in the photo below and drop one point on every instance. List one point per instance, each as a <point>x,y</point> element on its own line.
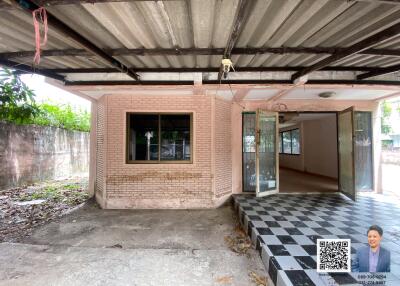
<point>71,187</point>
<point>70,194</point>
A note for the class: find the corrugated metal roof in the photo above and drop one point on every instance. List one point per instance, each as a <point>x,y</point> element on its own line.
<point>208,24</point>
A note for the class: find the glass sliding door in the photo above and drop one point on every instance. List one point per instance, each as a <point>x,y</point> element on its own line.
<point>267,170</point>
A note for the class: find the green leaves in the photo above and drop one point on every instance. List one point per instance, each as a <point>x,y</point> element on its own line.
<point>17,105</point>
<point>17,102</point>
<point>386,127</point>
<point>63,116</point>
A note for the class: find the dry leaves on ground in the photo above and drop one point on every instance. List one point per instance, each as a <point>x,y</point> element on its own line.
<point>258,279</point>
<point>224,280</point>
<point>238,242</point>
<point>24,208</point>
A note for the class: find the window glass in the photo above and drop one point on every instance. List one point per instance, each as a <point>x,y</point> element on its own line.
<point>363,151</point>
<point>159,137</point>
<point>289,142</point>
<point>287,145</point>
<point>143,143</point>
<point>296,141</point>
<point>175,137</point>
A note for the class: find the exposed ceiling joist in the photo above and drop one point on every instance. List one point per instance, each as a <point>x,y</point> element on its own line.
<point>215,82</point>
<point>47,3</point>
<point>354,49</point>
<point>64,2</point>
<point>381,71</point>
<point>4,5</point>
<point>122,82</point>
<point>68,2</point>
<point>195,70</point>
<point>199,51</point>
<point>379,1</point>
<point>242,9</point>
<point>28,69</point>
<point>55,23</point>
<point>310,82</point>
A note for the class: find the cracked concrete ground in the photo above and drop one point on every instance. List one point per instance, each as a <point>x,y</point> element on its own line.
<point>130,247</point>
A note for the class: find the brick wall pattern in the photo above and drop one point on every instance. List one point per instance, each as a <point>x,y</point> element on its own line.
<point>157,185</point>
<point>100,145</point>
<point>223,149</point>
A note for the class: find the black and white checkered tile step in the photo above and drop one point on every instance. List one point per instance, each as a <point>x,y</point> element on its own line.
<point>285,228</point>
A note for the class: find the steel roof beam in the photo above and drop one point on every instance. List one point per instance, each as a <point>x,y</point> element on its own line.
<point>130,82</point>
<point>354,49</point>
<point>28,69</point>
<point>190,70</point>
<point>55,23</point>
<point>200,51</point>
<point>394,2</point>
<point>311,82</point>
<point>381,71</point>
<point>47,3</point>
<point>241,11</point>
<point>65,2</point>
<point>69,2</point>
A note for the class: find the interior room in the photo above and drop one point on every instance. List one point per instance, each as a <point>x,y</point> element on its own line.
<point>308,152</point>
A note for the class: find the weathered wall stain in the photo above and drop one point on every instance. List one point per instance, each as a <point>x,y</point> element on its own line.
<point>116,179</point>
<point>30,153</point>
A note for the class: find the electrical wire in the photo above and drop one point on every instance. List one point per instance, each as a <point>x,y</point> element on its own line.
<point>230,87</point>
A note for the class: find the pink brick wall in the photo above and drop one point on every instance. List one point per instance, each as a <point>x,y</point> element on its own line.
<point>166,185</point>
<point>101,143</point>
<point>223,149</point>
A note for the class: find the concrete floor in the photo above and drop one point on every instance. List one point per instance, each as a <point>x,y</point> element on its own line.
<point>298,182</point>
<point>159,247</point>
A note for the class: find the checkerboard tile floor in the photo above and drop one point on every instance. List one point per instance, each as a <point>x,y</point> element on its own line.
<point>285,227</point>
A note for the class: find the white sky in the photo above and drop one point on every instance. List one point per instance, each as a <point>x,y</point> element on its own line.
<point>46,92</point>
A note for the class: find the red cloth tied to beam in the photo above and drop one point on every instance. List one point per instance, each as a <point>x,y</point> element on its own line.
<point>39,15</point>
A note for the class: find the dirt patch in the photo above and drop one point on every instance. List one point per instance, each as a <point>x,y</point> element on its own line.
<point>22,209</point>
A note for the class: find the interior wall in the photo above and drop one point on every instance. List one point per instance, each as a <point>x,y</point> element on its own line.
<point>320,146</point>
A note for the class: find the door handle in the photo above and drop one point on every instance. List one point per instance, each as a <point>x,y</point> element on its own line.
<point>258,134</point>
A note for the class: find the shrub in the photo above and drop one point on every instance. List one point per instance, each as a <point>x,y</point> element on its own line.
<point>17,105</point>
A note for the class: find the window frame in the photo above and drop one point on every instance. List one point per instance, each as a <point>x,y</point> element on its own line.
<point>291,142</point>
<point>159,161</point>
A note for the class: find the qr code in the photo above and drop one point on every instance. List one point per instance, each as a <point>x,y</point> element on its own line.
<point>333,255</point>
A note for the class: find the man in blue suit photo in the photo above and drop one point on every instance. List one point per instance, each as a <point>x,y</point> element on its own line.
<point>372,258</point>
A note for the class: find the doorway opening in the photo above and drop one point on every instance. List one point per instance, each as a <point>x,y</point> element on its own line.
<point>315,152</point>
<point>308,152</point>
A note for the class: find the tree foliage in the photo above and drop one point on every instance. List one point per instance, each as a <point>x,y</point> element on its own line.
<point>17,102</point>
<point>386,128</point>
<point>62,116</point>
<point>17,105</point>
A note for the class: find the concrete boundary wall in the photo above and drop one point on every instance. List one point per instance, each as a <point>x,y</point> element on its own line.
<point>30,153</point>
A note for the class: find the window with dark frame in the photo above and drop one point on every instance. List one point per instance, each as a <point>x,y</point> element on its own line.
<point>159,138</point>
<point>289,142</point>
